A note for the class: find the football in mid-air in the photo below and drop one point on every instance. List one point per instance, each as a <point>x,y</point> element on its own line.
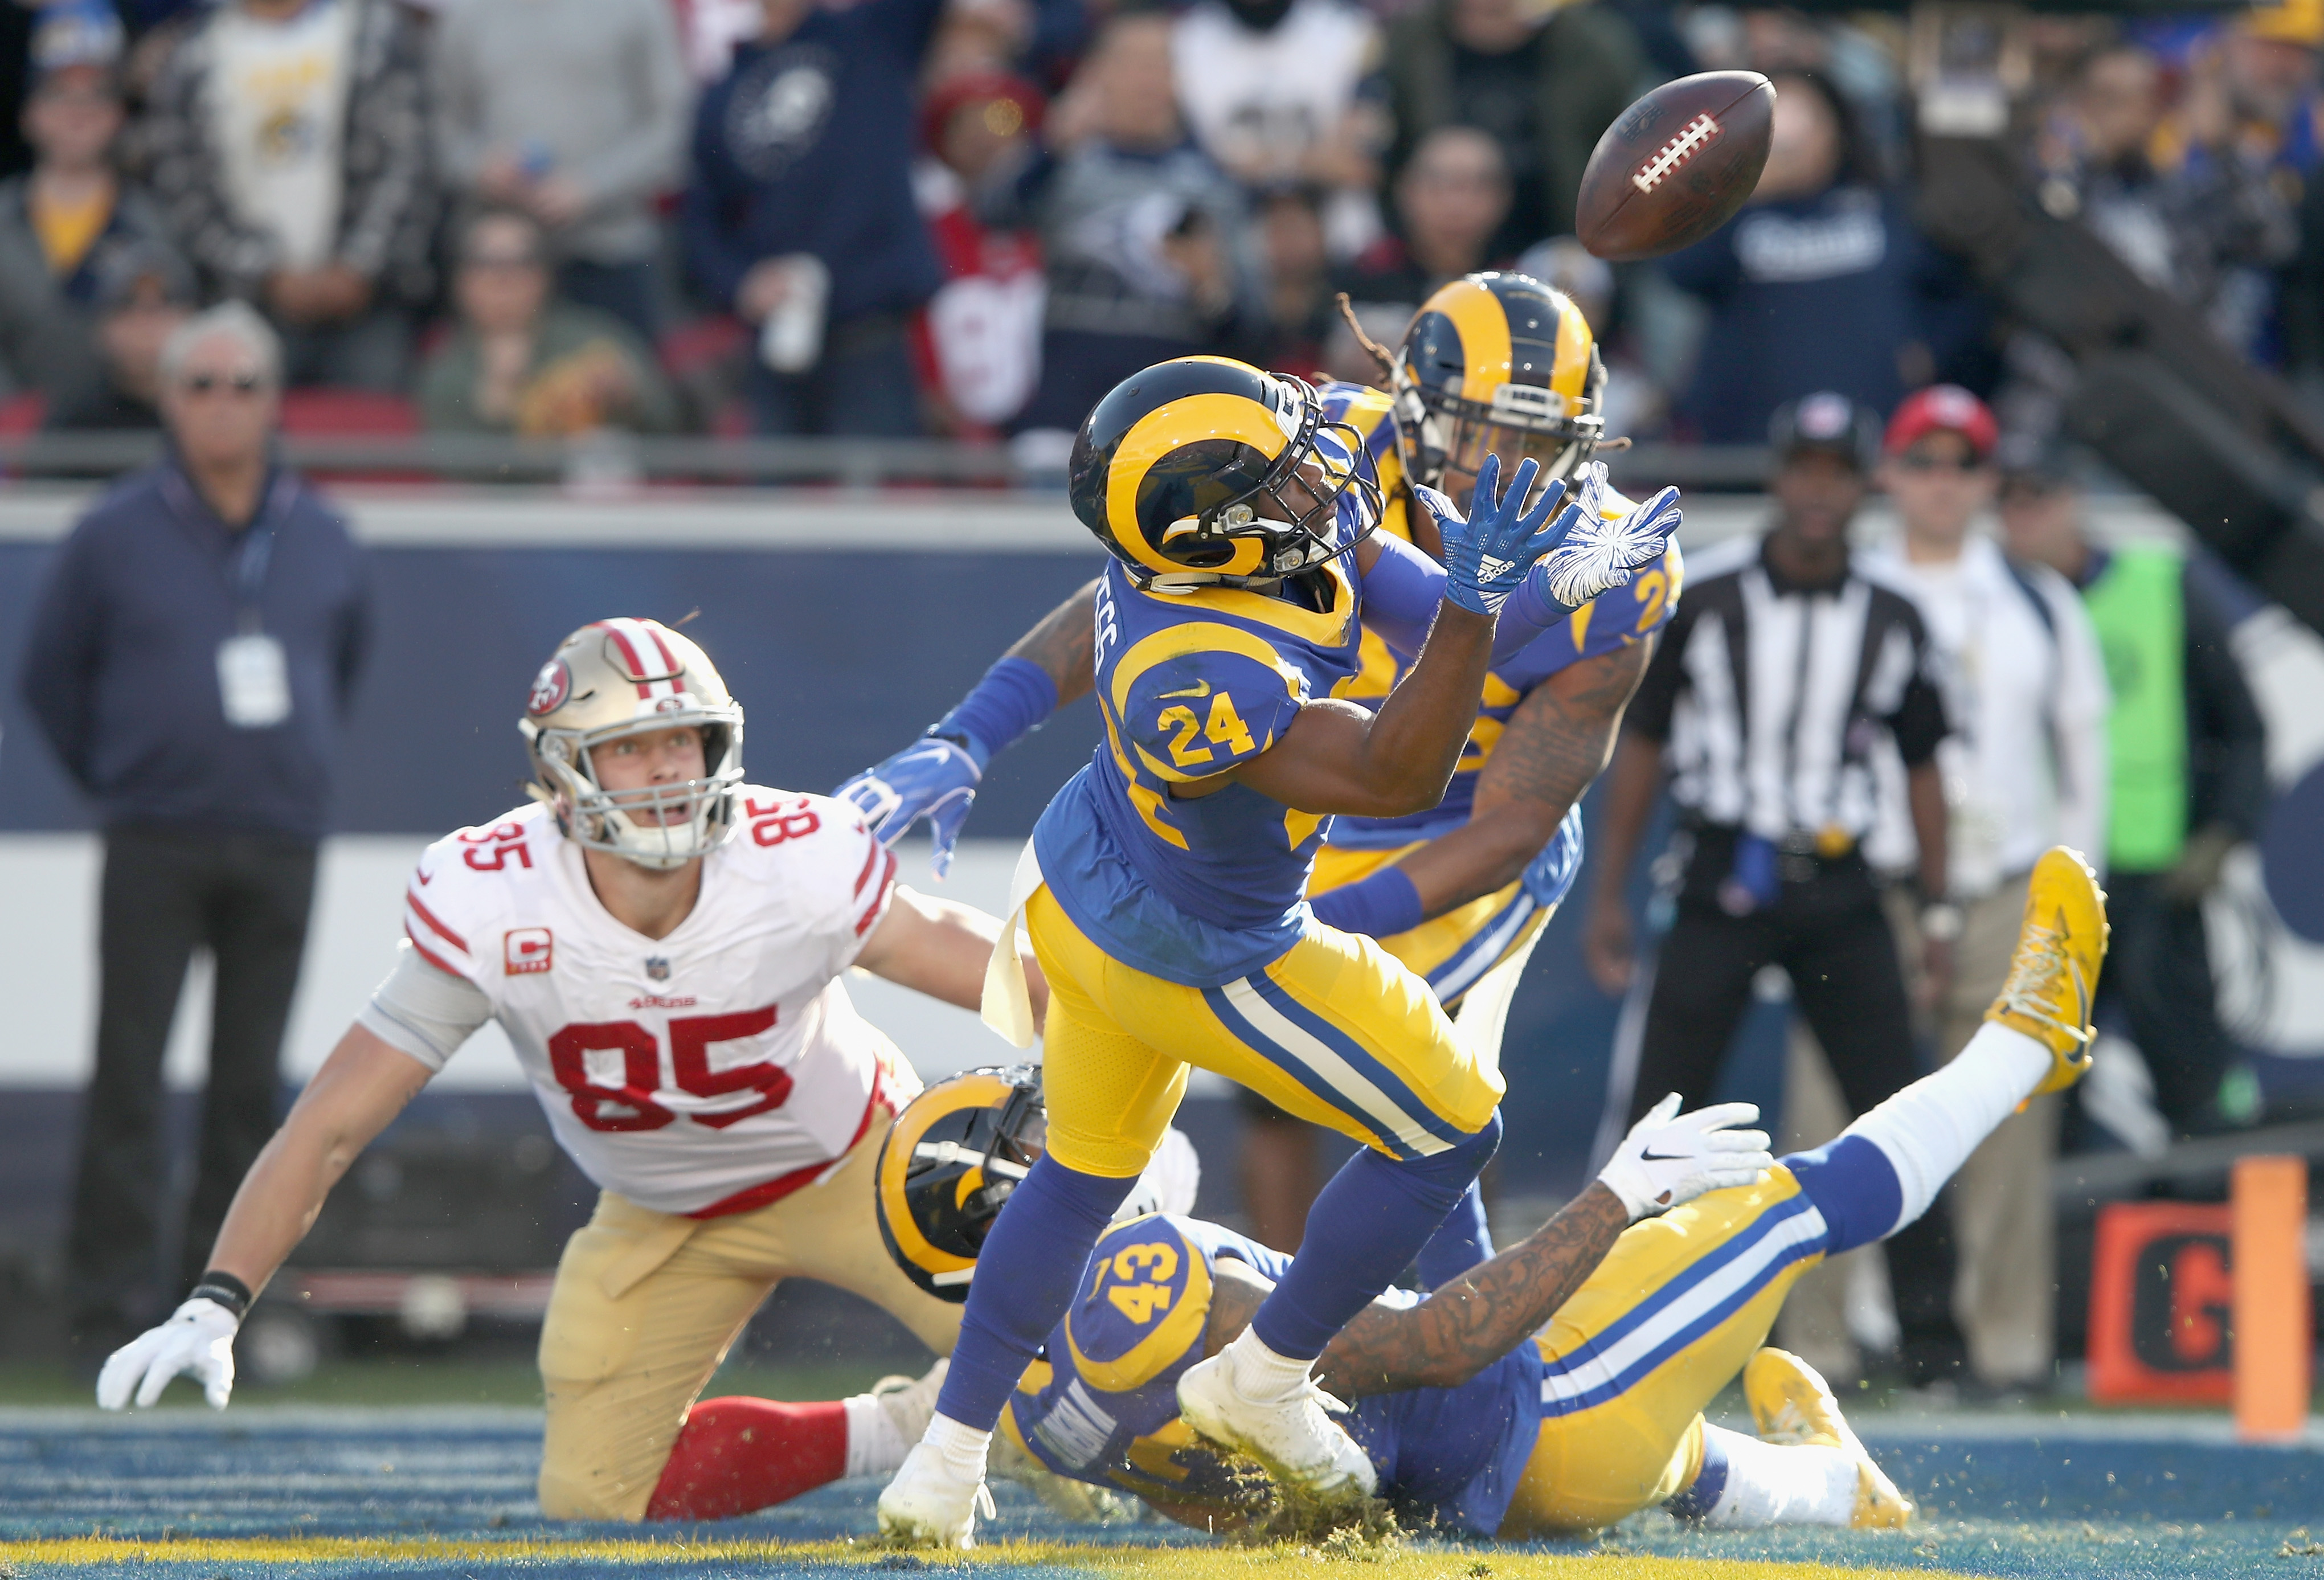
<point>1676,165</point>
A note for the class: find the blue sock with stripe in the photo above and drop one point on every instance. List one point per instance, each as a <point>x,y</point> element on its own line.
<point>1461,1242</point>
<point>1365,1229</point>
<point>1026,1274</point>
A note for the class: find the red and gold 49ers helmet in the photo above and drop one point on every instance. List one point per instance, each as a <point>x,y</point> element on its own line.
<point>1497,365</point>
<point>616,678</point>
<point>1205,471</point>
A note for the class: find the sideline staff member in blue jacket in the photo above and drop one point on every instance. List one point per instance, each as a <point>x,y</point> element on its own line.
<point>190,658</point>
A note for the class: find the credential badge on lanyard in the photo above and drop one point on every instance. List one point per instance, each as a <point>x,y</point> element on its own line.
<point>253,677</point>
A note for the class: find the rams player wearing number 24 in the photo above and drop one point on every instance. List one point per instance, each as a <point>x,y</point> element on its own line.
<point>1558,1386</point>
<point>1493,363</point>
<point>663,944</point>
<point>1165,885</point>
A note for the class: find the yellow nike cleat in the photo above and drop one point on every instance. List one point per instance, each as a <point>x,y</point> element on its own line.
<point>2054,973</point>
<point>1793,1406</point>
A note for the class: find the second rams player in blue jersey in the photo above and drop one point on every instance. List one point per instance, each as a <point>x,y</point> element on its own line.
<point>1560,1386</point>
<point>1164,887</point>
<point>1492,365</point>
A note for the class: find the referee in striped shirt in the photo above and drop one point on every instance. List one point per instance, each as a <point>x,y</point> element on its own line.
<point>1767,699</point>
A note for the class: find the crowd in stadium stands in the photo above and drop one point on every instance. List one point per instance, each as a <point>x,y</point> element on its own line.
<point>969,218</point>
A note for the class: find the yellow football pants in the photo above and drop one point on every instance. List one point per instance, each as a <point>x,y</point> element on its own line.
<point>1668,1320</point>
<point>646,1304</point>
<point>1336,1032</point>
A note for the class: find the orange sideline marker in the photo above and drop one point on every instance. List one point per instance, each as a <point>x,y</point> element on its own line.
<point>2273,1341</point>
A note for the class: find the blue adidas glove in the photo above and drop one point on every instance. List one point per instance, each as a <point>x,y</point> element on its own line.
<point>932,778</point>
<point>1487,556</point>
<point>1549,876</point>
<point>1598,555</point>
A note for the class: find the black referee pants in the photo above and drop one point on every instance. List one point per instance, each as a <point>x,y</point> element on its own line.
<point>245,897</point>
<point>1829,933</point>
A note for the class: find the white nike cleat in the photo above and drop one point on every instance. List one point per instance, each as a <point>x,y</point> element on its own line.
<point>910,1405</point>
<point>927,1506</point>
<point>1312,1462</point>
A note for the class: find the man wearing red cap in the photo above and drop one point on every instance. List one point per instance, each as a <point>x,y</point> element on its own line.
<point>2025,769</point>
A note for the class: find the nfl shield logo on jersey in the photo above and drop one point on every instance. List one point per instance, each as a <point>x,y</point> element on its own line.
<point>658,967</point>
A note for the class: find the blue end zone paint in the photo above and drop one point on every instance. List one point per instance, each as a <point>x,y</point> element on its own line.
<point>2150,1505</point>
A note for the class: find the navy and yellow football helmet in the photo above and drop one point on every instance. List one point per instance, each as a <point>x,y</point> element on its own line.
<point>949,1163</point>
<point>1205,471</point>
<point>958,1152</point>
<point>1497,365</point>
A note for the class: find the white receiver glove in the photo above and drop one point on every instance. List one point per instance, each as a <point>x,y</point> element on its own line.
<point>199,1338</point>
<point>1669,1157</point>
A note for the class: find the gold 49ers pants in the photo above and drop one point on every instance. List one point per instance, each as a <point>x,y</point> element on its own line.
<point>646,1303</point>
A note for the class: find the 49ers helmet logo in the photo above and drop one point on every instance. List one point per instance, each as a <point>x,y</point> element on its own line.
<point>551,687</point>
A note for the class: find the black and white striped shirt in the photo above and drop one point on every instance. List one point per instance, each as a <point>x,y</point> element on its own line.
<point>1771,697</point>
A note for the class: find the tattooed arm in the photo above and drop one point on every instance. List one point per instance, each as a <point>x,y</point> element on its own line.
<point>1553,747</point>
<point>1065,644</point>
<point>1461,1328</point>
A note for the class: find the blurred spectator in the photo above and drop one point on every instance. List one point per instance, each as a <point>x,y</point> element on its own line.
<point>1452,202</point>
<point>1147,242</point>
<point>1821,283</point>
<point>2091,157</point>
<point>800,215</point>
<point>63,223</point>
<point>1773,768</point>
<point>1284,92</point>
<point>574,111</point>
<point>2187,782</point>
<point>195,648</point>
<point>2025,769</point>
<point>979,341</point>
<point>525,361</point>
<point>144,293</point>
<point>290,154</point>
<point>1300,311</point>
<point>1543,81</point>
<point>35,37</point>
<point>2241,146</point>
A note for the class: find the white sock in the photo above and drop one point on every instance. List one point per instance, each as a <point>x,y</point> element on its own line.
<point>1260,1373</point>
<point>1770,1484</point>
<point>1928,1130</point>
<point>874,1447</point>
<point>961,1449</point>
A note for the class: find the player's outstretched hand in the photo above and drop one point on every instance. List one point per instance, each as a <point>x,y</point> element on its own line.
<point>1600,554</point>
<point>199,1338</point>
<point>1669,1158</point>
<point>1487,556</point>
<point>933,778</point>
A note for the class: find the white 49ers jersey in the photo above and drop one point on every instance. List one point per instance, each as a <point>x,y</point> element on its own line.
<point>715,1069</point>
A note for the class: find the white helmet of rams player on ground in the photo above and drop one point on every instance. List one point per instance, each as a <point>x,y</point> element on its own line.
<point>616,678</point>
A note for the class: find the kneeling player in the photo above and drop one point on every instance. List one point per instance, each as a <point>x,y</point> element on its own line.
<point>1560,1386</point>
<point>663,944</point>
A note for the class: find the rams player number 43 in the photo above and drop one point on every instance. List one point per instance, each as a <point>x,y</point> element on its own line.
<point>1558,1387</point>
<point>1164,887</point>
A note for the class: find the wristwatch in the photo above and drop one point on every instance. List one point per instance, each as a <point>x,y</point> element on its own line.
<point>1940,921</point>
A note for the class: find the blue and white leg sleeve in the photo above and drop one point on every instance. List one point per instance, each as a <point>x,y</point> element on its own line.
<point>1886,1168</point>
